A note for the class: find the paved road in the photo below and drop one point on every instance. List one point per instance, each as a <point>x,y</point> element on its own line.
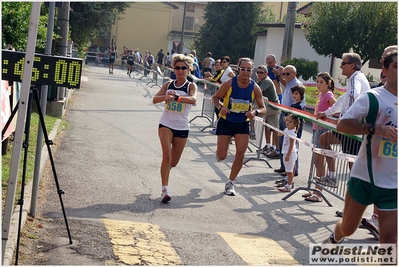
<point>108,165</point>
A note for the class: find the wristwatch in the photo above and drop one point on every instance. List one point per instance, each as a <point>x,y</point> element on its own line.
<point>372,129</point>
<point>256,112</point>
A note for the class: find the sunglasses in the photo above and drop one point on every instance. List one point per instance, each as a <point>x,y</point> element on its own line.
<point>181,68</point>
<point>260,72</point>
<point>286,73</point>
<point>343,63</point>
<point>244,69</point>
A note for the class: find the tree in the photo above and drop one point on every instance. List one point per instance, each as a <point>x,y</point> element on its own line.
<point>228,29</point>
<point>305,68</point>
<point>334,28</point>
<point>88,19</point>
<point>15,25</point>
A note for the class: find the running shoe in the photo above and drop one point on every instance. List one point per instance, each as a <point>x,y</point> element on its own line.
<point>165,196</point>
<point>229,188</point>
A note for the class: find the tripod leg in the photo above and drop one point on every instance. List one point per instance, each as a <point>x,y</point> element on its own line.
<point>48,144</point>
<point>25,145</point>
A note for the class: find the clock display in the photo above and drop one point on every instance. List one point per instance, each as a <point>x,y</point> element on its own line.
<point>47,70</point>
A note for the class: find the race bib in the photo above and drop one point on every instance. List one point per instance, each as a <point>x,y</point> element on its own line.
<point>175,106</point>
<point>239,105</point>
<point>388,149</point>
<point>112,57</point>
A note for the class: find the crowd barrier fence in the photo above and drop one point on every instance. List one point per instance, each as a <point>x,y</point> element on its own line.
<point>338,159</point>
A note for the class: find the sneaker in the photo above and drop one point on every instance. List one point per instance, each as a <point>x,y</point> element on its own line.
<point>229,189</point>
<point>252,135</point>
<point>213,131</point>
<point>268,150</point>
<point>265,148</point>
<point>130,76</point>
<point>331,240</point>
<point>373,223</point>
<point>273,154</point>
<point>165,196</point>
<point>328,181</point>
<point>284,183</point>
<point>279,181</point>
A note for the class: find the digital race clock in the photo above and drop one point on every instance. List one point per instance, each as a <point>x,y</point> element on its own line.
<point>47,70</point>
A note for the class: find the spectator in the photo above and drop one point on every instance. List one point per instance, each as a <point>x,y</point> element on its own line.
<point>234,114</point>
<point>272,114</point>
<point>207,64</point>
<point>228,72</point>
<point>289,150</point>
<point>289,78</point>
<point>357,84</point>
<point>378,183</point>
<point>168,60</point>
<point>325,86</point>
<point>297,94</point>
<point>274,72</point>
<point>196,71</point>
<point>159,58</point>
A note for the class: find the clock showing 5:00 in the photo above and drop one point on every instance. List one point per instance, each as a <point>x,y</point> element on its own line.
<point>47,70</point>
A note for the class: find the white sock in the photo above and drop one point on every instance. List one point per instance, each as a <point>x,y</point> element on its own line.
<point>274,147</point>
<point>164,188</point>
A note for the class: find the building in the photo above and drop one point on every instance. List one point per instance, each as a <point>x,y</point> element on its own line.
<point>155,25</point>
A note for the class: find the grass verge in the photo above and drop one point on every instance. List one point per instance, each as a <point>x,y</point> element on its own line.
<point>30,164</point>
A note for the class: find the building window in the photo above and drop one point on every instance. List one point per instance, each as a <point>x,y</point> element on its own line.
<point>190,8</point>
<point>188,25</point>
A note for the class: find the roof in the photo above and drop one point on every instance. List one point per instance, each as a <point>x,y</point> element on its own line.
<point>276,25</point>
<point>305,9</point>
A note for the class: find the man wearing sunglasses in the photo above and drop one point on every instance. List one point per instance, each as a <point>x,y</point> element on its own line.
<point>290,80</point>
<point>235,112</point>
<point>357,84</point>
<point>272,114</point>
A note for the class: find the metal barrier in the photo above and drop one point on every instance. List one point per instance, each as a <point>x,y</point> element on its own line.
<point>340,161</point>
<point>259,129</point>
<point>208,109</point>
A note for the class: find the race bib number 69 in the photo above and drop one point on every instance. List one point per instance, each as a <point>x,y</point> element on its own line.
<point>388,149</point>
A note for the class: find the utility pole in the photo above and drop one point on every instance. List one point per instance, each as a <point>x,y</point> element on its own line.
<point>182,28</point>
<point>289,30</point>
<point>62,44</point>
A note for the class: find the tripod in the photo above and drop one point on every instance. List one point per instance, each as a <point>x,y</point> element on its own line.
<point>34,93</point>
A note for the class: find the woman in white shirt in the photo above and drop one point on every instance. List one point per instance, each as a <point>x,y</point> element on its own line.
<point>228,72</point>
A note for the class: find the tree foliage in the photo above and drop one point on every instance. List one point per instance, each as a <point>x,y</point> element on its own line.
<point>228,29</point>
<point>366,27</point>
<point>89,19</point>
<point>305,68</point>
<point>15,25</point>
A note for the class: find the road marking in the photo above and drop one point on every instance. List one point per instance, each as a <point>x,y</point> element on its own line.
<point>140,243</point>
<point>84,78</point>
<point>257,250</point>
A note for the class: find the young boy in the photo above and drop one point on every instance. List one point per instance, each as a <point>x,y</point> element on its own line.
<point>297,93</point>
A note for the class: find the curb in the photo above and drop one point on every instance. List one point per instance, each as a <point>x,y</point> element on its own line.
<point>12,241</point>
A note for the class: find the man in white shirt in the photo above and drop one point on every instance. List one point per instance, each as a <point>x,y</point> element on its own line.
<point>374,173</point>
<point>357,84</point>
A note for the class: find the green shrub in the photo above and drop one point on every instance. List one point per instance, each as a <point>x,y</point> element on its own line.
<point>305,68</point>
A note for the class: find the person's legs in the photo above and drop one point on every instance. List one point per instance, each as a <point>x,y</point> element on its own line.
<point>178,145</point>
<point>241,141</point>
<point>351,218</point>
<point>166,138</point>
<point>222,147</point>
<point>281,139</point>
<point>388,221</point>
<point>326,140</point>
